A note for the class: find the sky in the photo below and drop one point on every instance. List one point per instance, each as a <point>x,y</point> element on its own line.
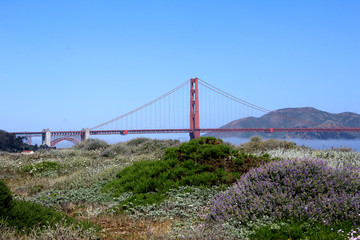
<point>67,65</point>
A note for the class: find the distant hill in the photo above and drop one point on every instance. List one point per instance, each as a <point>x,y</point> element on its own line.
<point>296,117</point>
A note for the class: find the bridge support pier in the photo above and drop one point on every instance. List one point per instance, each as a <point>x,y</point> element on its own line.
<point>29,140</point>
<point>85,134</point>
<point>194,109</point>
<point>46,137</point>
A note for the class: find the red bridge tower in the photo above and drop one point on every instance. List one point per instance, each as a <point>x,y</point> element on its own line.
<point>194,109</point>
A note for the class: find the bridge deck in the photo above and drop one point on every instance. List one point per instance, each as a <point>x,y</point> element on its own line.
<point>204,130</point>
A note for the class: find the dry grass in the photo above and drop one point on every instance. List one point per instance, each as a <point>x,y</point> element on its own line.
<point>126,227</point>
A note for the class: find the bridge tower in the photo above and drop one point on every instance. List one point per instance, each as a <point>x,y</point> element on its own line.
<point>46,137</point>
<point>85,134</point>
<point>194,109</point>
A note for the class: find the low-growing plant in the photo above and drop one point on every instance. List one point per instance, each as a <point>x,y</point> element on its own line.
<point>335,158</point>
<point>92,194</point>
<point>295,229</point>
<point>256,143</point>
<point>302,189</point>
<point>41,167</point>
<point>35,189</point>
<point>184,202</point>
<point>60,230</point>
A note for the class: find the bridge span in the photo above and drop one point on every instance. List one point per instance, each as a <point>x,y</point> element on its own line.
<point>51,138</point>
<point>178,111</point>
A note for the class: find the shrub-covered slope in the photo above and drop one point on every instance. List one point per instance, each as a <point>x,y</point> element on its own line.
<point>206,161</point>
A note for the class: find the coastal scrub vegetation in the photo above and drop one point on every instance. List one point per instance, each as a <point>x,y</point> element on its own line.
<point>202,162</point>
<point>24,215</point>
<point>164,189</point>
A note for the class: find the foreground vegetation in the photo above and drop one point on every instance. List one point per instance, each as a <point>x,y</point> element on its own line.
<point>202,189</point>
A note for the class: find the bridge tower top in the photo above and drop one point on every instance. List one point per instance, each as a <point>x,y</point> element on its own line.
<point>194,109</point>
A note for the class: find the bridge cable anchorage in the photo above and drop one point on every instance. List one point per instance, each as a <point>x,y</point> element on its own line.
<point>143,106</point>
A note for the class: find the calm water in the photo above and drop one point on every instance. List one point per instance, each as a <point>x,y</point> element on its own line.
<point>316,144</point>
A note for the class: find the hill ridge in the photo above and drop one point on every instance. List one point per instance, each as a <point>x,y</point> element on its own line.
<point>304,117</point>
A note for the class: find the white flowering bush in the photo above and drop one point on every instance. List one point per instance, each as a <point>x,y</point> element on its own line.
<point>335,158</point>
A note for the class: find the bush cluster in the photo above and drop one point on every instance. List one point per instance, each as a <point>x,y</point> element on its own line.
<point>214,153</point>
<point>22,214</point>
<point>139,146</point>
<point>206,161</point>
<point>303,189</point>
<point>25,215</point>
<point>5,198</point>
<point>91,144</point>
<point>258,144</point>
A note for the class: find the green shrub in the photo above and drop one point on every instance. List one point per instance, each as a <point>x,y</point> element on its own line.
<point>26,215</point>
<point>5,198</point>
<point>202,162</point>
<point>216,154</point>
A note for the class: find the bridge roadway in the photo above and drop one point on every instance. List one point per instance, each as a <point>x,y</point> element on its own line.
<point>52,138</point>
<point>185,130</point>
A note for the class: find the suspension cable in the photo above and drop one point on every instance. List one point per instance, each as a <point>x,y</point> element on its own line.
<point>143,106</point>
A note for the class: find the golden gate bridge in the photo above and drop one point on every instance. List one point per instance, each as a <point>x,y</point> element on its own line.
<point>180,111</point>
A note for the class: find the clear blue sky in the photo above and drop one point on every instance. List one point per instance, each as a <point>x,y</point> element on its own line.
<point>66,65</point>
